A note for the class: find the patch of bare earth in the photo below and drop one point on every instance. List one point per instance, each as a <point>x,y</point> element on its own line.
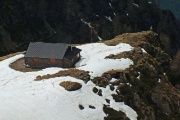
<point>70,86</point>
<point>19,65</point>
<point>79,74</point>
<point>136,55</point>
<point>135,39</point>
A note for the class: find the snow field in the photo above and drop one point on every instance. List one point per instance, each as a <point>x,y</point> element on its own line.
<point>22,98</point>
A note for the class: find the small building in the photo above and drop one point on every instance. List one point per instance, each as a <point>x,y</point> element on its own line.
<point>43,55</point>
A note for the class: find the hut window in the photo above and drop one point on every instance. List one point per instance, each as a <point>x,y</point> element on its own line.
<point>35,59</point>
<point>52,60</point>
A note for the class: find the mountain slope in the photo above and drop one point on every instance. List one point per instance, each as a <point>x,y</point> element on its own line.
<point>81,21</point>
<point>123,78</point>
<point>23,98</point>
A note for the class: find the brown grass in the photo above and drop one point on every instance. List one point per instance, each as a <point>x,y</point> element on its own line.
<point>134,39</point>
<point>10,55</point>
<point>112,72</point>
<point>134,55</point>
<point>118,56</point>
<point>79,74</point>
<point>86,43</point>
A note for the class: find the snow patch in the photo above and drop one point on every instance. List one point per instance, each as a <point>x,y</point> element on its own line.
<point>142,49</point>
<point>110,5</point>
<point>100,38</point>
<point>93,58</point>
<point>139,75</point>
<point>136,5</point>
<point>113,80</point>
<point>97,68</point>
<point>109,18</point>
<point>151,28</point>
<point>89,24</point>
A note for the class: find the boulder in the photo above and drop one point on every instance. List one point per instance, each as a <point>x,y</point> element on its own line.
<point>70,86</point>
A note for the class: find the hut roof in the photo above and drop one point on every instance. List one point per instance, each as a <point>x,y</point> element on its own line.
<point>46,50</point>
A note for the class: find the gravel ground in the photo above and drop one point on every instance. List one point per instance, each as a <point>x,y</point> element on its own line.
<point>20,66</point>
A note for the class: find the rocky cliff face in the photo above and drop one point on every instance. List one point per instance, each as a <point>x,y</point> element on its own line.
<point>144,86</point>
<point>80,21</point>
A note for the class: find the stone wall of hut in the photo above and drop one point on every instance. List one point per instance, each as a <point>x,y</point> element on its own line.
<point>70,63</point>
<point>44,62</point>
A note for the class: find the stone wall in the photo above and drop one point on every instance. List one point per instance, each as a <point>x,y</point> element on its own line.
<point>44,62</point>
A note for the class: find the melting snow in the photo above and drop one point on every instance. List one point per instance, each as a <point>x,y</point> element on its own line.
<point>128,84</point>
<point>113,80</point>
<point>139,75</point>
<point>99,38</point>
<point>109,18</point>
<point>143,50</point>
<point>110,5</point>
<point>151,28</point>
<point>89,24</point>
<point>93,58</point>
<point>136,5</point>
<point>22,98</point>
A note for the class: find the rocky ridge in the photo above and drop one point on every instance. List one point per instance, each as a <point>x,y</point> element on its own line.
<point>145,86</point>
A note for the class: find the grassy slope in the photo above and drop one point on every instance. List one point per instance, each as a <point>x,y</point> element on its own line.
<point>10,55</point>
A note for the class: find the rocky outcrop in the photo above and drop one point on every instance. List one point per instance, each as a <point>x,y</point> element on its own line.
<point>144,86</point>
<point>70,86</point>
<point>113,114</point>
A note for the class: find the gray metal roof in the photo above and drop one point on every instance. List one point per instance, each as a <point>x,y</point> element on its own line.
<point>46,50</point>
